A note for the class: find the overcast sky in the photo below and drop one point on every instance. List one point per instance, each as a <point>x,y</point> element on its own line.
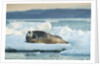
<point>23,7</point>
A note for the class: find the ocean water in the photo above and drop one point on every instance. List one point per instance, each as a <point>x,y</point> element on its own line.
<point>74,30</point>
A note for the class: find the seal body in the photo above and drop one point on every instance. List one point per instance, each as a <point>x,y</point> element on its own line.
<point>43,37</point>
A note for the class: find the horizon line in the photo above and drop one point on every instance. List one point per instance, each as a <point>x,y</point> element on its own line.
<point>52,9</point>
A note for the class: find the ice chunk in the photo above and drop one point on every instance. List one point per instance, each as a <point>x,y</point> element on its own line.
<point>19,44</point>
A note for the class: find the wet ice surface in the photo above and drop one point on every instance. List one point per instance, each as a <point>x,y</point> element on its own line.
<point>45,56</point>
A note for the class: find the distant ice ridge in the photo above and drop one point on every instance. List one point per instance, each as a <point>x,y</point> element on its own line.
<point>21,28</point>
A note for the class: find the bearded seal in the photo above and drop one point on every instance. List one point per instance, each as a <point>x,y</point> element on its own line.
<point>43,37</point>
